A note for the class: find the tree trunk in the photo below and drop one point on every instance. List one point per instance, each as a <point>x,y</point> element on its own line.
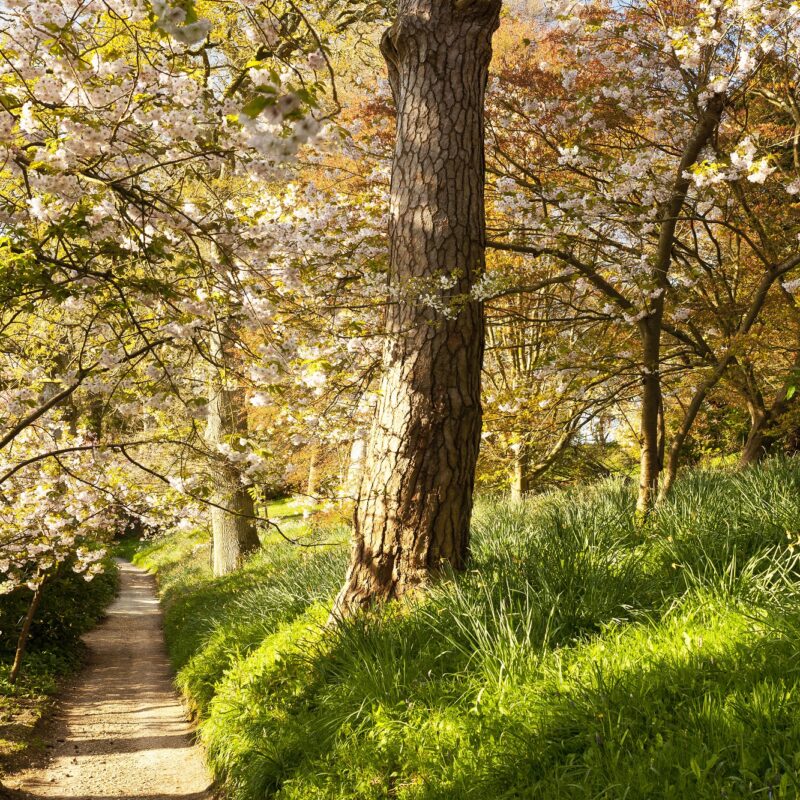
<point>413,515</point>
<point>758,442</point>
<point>649,433</point>
<point>689,417</point>
<point>233,514</point>
<point>761,439</point>
<point>650,326</point>
<point>521,477</point>
<point>355,468</point>
<point>312,484</point>
<point>526,472</point>
<point>22,641</point>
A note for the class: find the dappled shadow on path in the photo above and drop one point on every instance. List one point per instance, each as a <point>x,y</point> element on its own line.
<point>121,731</point>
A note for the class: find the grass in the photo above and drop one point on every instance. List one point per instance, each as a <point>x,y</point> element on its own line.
<point>582,656</point>
<point>70,606</point>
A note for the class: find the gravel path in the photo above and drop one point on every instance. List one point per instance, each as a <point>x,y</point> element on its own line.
<point>122,731</point>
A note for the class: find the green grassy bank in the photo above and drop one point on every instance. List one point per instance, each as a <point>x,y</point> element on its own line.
<point>580,657</point>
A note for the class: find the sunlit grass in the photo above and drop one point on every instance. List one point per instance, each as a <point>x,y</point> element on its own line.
<point>581,656</point>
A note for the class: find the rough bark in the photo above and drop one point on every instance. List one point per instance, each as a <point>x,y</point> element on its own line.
<point>413,515</point>
<point>232,515</point>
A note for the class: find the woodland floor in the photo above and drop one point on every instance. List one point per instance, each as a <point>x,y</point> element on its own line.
<point>121,731</point>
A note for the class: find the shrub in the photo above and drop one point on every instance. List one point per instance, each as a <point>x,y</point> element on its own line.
<point>70,606</point>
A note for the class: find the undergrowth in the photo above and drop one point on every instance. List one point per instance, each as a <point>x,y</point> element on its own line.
<point>70,606</point>
<point>581,656</point>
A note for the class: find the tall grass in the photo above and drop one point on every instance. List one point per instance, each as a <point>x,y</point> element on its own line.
<point>581,656</point>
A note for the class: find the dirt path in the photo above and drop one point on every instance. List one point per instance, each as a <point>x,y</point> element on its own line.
<point>122,732</point>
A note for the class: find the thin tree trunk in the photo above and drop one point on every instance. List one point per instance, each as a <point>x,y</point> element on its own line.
<point>312,484</point>
<point>355,468</point>
<point>757,443</point>
<point>22,641</point>
<point>413,515</point>
<point>520,477</point>
<point>759,439</point>
<point>233,514</point>
<point>649,444</point>
<point>689,417</point>
<point>651,325</point>
<point>527,473</point>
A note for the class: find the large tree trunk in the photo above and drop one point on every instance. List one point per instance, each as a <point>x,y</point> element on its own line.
<point>232,513</point>
<point>415,501</point>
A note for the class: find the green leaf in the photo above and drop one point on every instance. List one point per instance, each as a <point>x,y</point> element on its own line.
<point>255,106</point>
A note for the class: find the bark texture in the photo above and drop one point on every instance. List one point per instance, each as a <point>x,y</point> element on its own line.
<point>233,514</point>
<point>415,498</point>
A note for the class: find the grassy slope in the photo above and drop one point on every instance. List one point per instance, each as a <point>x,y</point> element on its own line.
<point>581,657</point>
<point>70,606</point>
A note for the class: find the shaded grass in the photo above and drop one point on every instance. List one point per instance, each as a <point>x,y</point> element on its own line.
<point>582,656</point>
